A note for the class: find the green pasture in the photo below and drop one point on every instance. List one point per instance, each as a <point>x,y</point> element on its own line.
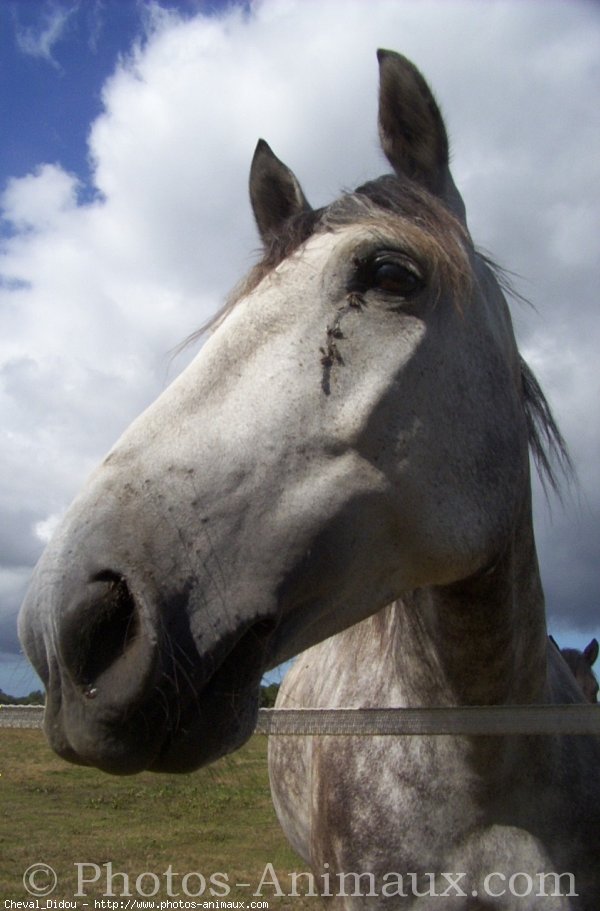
<point>216,822</point>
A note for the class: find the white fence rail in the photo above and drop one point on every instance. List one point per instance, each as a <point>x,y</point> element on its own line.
<point>485,720</point>
<point>21,716</point>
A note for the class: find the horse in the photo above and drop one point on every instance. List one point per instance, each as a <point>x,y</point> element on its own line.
<point>581,663</point>
<point>346,459</point>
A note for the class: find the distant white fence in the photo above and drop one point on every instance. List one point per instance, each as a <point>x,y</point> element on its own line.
<point>21,716</point>
<point>485,720</point>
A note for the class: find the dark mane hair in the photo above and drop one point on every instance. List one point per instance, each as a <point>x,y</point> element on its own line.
<point>546,443</point>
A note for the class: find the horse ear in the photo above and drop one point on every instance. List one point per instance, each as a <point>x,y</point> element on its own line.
<point>275,192</point>
<point>411,129</point>
<point>590,652</point>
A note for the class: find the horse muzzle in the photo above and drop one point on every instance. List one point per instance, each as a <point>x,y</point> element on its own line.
<point>128,687</point>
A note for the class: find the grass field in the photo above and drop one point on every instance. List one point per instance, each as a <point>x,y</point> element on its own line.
<point>153,828</point>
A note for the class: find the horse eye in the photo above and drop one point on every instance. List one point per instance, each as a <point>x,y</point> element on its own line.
<point>391,274</point>
<point>396,279</point>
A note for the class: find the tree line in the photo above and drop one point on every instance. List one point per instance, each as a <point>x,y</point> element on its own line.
<point>36,697</point>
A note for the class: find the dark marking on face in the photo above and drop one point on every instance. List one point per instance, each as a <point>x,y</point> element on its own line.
<point>330,354</point>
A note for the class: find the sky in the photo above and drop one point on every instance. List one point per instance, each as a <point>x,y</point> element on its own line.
<point>127,133</point>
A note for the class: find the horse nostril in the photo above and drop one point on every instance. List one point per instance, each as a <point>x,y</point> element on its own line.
<point>114,628</point>
<point>97,635</point>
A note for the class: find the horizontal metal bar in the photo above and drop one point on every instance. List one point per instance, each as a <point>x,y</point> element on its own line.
<point>488,720</point>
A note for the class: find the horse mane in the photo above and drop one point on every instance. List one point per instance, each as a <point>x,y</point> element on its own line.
<point>546,443</point>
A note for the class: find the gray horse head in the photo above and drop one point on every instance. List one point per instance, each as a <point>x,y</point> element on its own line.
<point>357,426</point>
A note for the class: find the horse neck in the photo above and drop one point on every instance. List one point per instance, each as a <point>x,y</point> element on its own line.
<point>480,642</point>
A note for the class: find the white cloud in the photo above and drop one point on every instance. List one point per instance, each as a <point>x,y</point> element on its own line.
<point>40,42</point>
<point>46,527</point>
<point>37,201</point>
<point>95,294</point>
